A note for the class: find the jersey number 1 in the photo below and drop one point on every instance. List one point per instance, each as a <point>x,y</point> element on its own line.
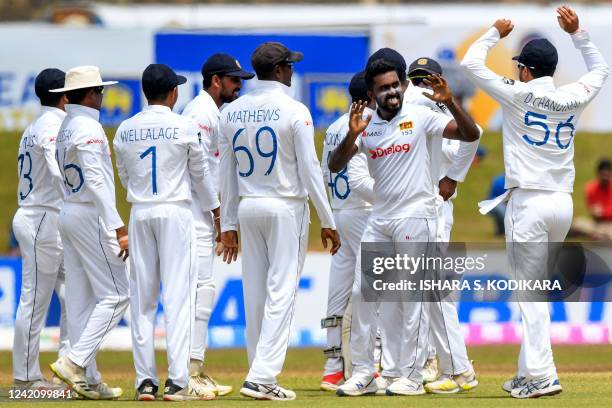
<point>152,150</point>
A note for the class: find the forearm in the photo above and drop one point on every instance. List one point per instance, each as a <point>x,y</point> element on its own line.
<point>466,127</point>
<point>230,197</point>
<point>343,153</point>
<point>593,59</point>
<point>462,161</point>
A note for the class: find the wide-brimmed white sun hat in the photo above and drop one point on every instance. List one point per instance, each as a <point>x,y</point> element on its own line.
<point>87,76</point>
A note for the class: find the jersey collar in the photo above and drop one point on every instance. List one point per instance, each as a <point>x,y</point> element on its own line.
<point>376,119</point>
<point>210,102</point>
<point>273,86</point>
<point>52,110</point>
<point>80,110</point>
<point>157,108</point>
<point>545,83</point>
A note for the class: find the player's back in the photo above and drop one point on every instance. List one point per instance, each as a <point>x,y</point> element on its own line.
<point>342,196</point>
<point>539,125</point>
<point>260,128</point>
<point>36,186</point>
<point>80,136</point>
<point>152,149</point>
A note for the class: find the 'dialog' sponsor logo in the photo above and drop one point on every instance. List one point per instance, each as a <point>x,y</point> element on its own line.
<point>386,151</point>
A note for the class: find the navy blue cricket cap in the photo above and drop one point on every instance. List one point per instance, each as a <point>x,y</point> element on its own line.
<point>538,53</point>
<point>429,65</point>
<point>224,64</point>
<point>160,78</point>
<point>391,56</point>
<point>358,87</point>
<point>47,79</point>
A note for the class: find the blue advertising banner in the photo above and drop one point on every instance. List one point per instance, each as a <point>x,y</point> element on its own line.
<point>321,79</point>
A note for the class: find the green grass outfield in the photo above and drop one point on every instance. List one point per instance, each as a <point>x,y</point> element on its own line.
<point>469,224</point>
<point>585,373</point>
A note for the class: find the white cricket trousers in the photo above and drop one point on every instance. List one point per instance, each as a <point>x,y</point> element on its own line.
<point>205,284</point>
<point>96,280</point>
<point>162,250</point>
<point>404,326</point>
<point>274,234</point>
<point>535,216</point>
<point>36,230</point>
<point>445,333</point>
<point>350,224</point>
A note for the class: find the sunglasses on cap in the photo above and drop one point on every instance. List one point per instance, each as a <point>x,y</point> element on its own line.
<point>417,79</point>
<point>520,65</point>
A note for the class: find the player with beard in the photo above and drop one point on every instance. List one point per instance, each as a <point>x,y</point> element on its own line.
<point>403,143</point>
<point>222,80</point>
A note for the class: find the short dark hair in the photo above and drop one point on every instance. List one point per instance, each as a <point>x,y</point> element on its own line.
<point>49,98</point>
<point>76,96</point>
<point>155,95</point>
<point>378,67</point>
<point>540,72</point>
<point>604,164</point>
<point>208,79</point>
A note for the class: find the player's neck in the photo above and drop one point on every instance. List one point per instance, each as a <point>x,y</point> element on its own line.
<point>386,115</point>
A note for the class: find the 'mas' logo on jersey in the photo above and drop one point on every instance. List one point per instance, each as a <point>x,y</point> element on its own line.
<point>382,152</point>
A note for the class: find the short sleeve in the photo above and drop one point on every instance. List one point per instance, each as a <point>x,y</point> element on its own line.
<point>435,122</point>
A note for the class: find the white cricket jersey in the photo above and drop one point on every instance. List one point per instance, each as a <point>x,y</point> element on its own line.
<point>539,119</point>
<point>84,159</point>
<point>352,187</point>
<point>160,158</point>
<point>206,114</point>
<point>457,156</point>
<point>402,156</point>
<point>40,181</point>
<point>267,150</point>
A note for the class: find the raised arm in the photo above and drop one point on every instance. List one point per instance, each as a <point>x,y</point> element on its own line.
<point>473,63</point>
<point>347,147</point>
<point>463,126</point>
<point>590,83</point>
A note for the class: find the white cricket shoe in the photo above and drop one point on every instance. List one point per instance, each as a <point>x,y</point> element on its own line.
<point>201,388</point>
<point>272,392</point>
<point>41,384</point>
<point>517,381</point>
<point>173,392</point>
<point>405,386</point>
<point>74,376</point>
<point>538,387</point>
<point>358,385</point>
<point>448,384</point>
<point>382,382</point>
<point>106,392</point>
<point>219,389</point>
<point>430,370</point>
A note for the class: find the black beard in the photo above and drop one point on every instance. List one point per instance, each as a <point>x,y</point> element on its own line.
<point>384,106</point>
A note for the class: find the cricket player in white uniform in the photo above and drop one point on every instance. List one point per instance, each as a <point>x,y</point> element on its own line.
<point>351,196</point>
<point>160,160</point>
<point>270,168</point>
<point>539,124</point>
<point>400,140</point>
<point>40,196</point>
<point>222,80</point>
<point>457,373</point>
<point>92,232</point>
